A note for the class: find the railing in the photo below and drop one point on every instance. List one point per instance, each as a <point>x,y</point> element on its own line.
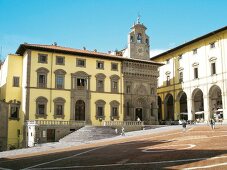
<point>56,122</point>
<point>123,123</point>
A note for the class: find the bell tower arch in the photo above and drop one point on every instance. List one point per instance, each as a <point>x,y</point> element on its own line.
<point>138,42</point>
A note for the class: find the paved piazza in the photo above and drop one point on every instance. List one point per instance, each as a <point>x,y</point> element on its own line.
<point>197,148</point>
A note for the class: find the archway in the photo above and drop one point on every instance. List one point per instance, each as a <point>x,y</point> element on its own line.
<point>159,108</point>
<point>169,107</point>
<point>80,110</point>
<point>215,102</point>
<point>183,106</point>
<point>198,105</point>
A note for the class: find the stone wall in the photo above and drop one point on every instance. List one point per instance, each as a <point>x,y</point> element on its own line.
<point>3,125</point>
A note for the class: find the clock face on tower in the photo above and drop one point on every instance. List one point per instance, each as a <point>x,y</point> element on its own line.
<point>140,51</point>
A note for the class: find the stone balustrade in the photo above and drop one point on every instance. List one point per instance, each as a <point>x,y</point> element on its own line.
<point>56,122</point>
<point>123,123</point>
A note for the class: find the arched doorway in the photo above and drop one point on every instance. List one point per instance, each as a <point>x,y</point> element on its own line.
<point>198,104</point>
<point>80,110</point>
<point>169,107</point>
<point>183,106</point>
<point>159,108</point>
<point>215,102</point>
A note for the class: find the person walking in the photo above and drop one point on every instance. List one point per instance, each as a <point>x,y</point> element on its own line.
<point>212,123</point>
<point>184,124</point>
<point>122,131</point>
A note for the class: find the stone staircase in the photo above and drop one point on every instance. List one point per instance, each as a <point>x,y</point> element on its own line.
<point>89,133</point>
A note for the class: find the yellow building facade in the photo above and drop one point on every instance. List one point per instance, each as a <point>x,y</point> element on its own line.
<point>53,90</point>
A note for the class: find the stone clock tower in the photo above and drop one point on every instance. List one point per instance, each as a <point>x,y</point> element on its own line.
<point>138,42</point>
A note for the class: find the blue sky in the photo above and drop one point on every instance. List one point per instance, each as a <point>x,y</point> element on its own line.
<point>105,24</point>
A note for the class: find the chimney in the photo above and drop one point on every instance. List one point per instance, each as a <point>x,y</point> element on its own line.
<point>84,48</point>
<point>95,50</point>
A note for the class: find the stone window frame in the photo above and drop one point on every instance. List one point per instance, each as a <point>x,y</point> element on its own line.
<point>61,73</point>
<point>16,81</point>
<point>212,45</point>
<point>131,38</point>
<point>98,62</point>
<point>14,104</point>
<point>80,65</point>
<point>196,70</point>
<point>42,71</point>
<point>168,83</point>
<point>100,77</point>
<point>100,103</point>
<point>58,63</point>
<point>114,104</point>
<point>40,55</point>
<point>195,51</point>
<point>139,38</point>
<point>114,79</point>
<point>213,66</point>
<point>80,75</point>
<point>59,101</point>
<point>41,101</point>
<point>114,69</point>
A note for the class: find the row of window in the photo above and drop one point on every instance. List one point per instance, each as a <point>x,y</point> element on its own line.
<point>194,52</point>
<point>139,39</point>
<point>196,73</point>
<point>60,60</point>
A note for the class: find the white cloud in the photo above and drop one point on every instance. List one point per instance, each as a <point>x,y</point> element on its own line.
<point>155,52</point>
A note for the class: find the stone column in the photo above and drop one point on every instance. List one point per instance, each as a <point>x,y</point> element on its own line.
<point>224,105</point>
<point>190,109</point>
<point>206,108</point>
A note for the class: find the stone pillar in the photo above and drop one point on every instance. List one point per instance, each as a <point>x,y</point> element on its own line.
<point>206,108</point>
<point>176,110</point>
<point>224,105</point>
<point>190,109</point>
<point>31,133</point>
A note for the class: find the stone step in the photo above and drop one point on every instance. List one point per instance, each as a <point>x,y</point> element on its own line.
<point>89,133</point>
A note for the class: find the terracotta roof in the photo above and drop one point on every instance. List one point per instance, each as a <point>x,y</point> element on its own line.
<point>191,42</point>
<point>66,50</point>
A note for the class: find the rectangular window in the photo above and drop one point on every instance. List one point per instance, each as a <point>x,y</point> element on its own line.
<point>42,58</point>
<point>100,111</point>
<point>60,60</point>
<point>195,51</point>
<point>59,82</point>
<point>196,73</point>
<point>114,112</point>
<point>81,83</point>
<point>14,112</point>
<point>100,65</point>
<point>42,80</point>
<point>114,85</point>
<point>80,63</point>
<point>128,89</point>
<point>180,77</point>
<point>16,81</point>
<point>168,80</point>
<point>114,66</point>
<point>127,108</point>
<point>100,84</point>
<point>180,57</point>
<point>59,109</point>
<point>213,68</point>
<point>212,45</point>
<point>41,109</point>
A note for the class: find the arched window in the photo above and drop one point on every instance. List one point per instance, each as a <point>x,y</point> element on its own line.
<point>59,79</point>
<point>139,38</point>
<point>100,109</point>
<point>41,107</point>
<point>42,77</point>
<point>100,82</point>
<point>59,107</point>
<point>131,38</point>
<point>114,83</point>
<point>147,41</point>
<point>114,106</point>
